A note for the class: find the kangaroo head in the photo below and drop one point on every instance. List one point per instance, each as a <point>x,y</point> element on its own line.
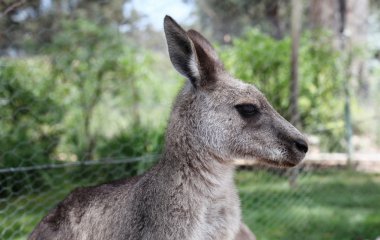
<point>219,113</point>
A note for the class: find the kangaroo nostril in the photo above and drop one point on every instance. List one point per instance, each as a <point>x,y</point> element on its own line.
<point>301,145</point>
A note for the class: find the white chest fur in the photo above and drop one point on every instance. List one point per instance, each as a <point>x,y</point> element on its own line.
<point>220,219</point>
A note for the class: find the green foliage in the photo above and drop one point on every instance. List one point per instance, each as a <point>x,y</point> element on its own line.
<point>30,121</point>
<point>80,101</point>
<point>135,142</point>
<point>91,85</point>
<point>91,62</point>
<point>29,117</point>
<point>259,59</point>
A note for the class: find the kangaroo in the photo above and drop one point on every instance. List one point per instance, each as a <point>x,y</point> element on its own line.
<point>190,193</point>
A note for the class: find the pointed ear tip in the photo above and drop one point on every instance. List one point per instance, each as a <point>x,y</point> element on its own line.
<point>168,20</point>
<point>171,26</point>
<point>169,23</point>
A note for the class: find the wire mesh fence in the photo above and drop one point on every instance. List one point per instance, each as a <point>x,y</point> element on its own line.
<point>330,203</point>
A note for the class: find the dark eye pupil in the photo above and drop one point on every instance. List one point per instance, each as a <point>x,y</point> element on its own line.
<point>247,110</point>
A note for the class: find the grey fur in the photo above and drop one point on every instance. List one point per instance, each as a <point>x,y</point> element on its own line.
<point>190,193</point>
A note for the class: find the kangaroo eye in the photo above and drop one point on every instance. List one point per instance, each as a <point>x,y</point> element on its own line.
<point>247,110</point>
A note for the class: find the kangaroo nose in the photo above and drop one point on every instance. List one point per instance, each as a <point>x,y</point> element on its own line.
<point>301,145</point>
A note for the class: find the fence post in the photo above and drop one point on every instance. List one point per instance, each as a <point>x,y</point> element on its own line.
<point>294,89</point>
<point>347,113</point>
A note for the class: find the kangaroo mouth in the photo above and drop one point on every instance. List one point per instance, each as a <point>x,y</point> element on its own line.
<point>289,164</point>
<point>280,163</point>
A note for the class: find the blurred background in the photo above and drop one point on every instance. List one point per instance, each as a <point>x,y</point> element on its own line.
<point>86,88</point>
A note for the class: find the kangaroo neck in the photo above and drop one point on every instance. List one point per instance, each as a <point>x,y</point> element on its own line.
<point>196,168</point>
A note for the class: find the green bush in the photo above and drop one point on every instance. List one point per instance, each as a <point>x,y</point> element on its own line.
<point>137,141</point>
<point>91,61</point>
<point>60,105</point>
<point>30,127</point>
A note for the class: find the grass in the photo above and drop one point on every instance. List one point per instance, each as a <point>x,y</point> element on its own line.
<point>325,205</point>
<point>334,204</point>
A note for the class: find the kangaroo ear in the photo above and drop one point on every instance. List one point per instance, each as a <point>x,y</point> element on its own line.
<point>208,59</point>
<point>191,54</point>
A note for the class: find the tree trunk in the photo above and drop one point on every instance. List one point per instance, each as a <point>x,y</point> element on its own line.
<point>325,15</point>
<point>296,28</point>
<point>272,12</point>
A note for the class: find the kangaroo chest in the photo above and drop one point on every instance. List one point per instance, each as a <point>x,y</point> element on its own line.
<point>218,219</point>
<point>221,221</point>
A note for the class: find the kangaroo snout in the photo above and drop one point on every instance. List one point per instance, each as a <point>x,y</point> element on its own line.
<point>298,149</point>
<point>290,141</point>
